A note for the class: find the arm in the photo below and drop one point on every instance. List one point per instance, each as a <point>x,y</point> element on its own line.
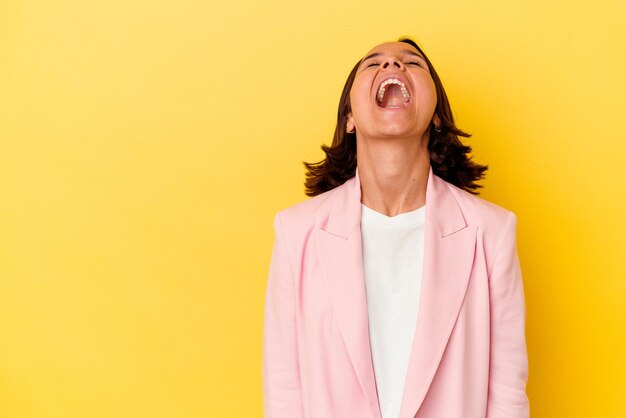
<point>508,369</point>
<point>281,374</point>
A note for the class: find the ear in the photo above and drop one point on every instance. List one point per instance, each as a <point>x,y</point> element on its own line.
<point>350,124</point>
<point>436,120</point>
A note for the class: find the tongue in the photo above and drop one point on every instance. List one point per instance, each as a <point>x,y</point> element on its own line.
<point>393,96</point>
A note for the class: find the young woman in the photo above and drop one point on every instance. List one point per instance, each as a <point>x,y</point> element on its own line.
<point>395,291</point>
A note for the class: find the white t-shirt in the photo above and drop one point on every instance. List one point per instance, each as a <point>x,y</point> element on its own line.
<point>393,252</point>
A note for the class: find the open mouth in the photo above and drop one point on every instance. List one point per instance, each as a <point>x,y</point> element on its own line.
<point>393,93</point>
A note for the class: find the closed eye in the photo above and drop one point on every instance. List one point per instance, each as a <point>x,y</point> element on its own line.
<point>372,64</point>
<point>414,63</point>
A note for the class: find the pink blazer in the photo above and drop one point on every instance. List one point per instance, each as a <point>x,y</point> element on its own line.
<point>468,358</point>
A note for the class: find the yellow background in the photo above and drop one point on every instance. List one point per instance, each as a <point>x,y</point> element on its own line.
<point>145,147</point>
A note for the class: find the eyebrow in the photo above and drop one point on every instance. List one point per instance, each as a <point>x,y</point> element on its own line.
<point>406,52</point>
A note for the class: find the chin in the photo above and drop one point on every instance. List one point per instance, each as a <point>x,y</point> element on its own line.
<point>398,130</point>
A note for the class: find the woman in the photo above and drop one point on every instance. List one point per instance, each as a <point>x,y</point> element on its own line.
<point>395,291</point>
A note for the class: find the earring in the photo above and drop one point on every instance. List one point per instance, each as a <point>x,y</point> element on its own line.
<point>437,128</point>
<point>350,132</point>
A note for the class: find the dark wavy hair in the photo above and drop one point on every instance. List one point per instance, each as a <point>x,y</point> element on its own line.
<point>449,157</point>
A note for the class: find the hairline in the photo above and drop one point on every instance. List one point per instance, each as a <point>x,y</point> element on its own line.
<point>404,51</point>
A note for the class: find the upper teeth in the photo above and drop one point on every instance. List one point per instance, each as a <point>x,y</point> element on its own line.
<point>381,90</point>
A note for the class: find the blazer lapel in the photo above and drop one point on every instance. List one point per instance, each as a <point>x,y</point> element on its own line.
<point>449,246</point>
<point>341,260</point>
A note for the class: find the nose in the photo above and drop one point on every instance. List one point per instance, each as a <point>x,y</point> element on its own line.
<point>393,61</point>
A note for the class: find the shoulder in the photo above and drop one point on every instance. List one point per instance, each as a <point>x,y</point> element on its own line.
<point>496,224</point>
<point>479,210</point>
<point>299,218</point>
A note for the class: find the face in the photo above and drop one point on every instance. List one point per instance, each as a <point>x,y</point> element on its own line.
<point>404,106</point>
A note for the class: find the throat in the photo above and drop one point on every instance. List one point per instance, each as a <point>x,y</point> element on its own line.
<point>392,97</point>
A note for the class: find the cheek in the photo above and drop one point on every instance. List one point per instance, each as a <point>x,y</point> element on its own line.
<point>426,94</point>
<point>431,89</point>
<point>355,96</point>
<point>359,98</point>
<point>361,88</point>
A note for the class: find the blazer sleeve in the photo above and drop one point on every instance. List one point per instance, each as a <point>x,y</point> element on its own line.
<point>508,367</point>
<point>282,397</point>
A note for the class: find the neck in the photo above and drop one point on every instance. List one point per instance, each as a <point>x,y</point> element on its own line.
<point>393,173</point>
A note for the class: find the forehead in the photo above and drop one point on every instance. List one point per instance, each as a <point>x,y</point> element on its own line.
<point>392,47</point>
